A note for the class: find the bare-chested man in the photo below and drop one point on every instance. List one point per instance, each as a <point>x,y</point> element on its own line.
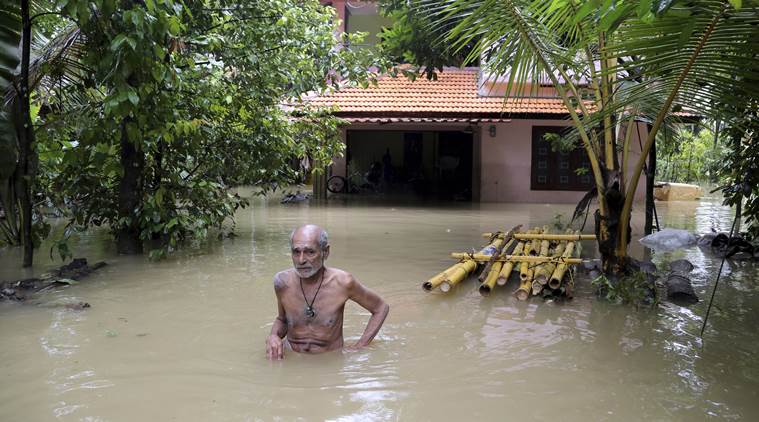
<point>311,299</point>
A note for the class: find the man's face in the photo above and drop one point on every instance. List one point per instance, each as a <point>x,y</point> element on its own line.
<point>308,258</point>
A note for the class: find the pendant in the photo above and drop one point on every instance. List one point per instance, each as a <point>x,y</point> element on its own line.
<point>310,311</point>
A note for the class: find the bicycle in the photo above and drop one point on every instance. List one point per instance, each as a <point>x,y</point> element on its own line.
<point>340,184</point>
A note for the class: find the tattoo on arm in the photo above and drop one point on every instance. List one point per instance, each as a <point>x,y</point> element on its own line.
<point>279,283</point>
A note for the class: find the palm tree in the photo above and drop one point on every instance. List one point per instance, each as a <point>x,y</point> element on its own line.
<point>20,75</point>
<point>613,64</point>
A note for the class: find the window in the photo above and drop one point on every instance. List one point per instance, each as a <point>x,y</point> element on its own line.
<point>364,17</point>
<point>554,170</point>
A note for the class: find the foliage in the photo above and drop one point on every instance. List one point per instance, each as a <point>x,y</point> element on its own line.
<point>170,103</point>
<point>632,62</point>
<point>741,168</point>
<point>632,289</point>
<point>688,157</point>
<point>10,38</point>
<point>413,39</point>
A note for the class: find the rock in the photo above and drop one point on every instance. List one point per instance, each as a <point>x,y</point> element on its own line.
<point>682,266</point>
<point>706,239</point>
<point>679,290</point>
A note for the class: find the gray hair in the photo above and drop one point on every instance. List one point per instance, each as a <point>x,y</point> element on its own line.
<point>323,237</point>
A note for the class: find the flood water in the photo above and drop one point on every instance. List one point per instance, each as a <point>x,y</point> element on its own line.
<point>183,339</point>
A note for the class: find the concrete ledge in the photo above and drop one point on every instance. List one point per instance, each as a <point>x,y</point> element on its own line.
<point>666,191</point>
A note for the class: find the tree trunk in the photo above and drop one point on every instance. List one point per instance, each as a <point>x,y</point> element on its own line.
<point>738,214</point>
<point>613,262</point>
<point>25,170</point>
<point>130,195</point>
<point>650,178</point>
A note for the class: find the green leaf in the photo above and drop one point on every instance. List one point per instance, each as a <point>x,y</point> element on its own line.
<point>737,4</point>
<point>644,8</point>
<point>117,41</point>
<point>133,98</point>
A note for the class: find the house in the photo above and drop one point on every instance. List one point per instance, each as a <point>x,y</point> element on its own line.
<point>456,137</point>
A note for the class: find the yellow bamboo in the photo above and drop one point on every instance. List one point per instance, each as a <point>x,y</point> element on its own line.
<point>523,292</point>
<point>493,259</point>
<point>489,284</point>
<point>543,274</point>
<point>435,281</point>
<point>545,243</point>
<point>550,236</point>
<point>558,273</point>
<point>525,268</point>
<point>459,273</point>
<point>543,251</point>
<point>508,265</point>
<point>516,258</point>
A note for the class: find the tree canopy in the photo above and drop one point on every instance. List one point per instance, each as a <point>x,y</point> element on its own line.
<point>151,111</point>
<point>636,61</point>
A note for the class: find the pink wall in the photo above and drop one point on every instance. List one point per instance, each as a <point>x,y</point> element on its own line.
<point>505,160</point>
<point>339,6</point>
<point>506,164</point>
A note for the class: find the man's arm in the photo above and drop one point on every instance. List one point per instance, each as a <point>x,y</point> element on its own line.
<point>274,346</point>
<point>372,303</point>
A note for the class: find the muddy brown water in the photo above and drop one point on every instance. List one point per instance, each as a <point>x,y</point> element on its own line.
<point>183,339</point>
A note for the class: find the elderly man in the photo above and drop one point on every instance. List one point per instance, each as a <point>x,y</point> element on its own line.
<point>311,300</point>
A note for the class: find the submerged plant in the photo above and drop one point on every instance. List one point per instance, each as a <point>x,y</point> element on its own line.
<point>633,289</point>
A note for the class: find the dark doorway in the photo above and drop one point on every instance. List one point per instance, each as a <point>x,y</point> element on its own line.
<point>424,164</point>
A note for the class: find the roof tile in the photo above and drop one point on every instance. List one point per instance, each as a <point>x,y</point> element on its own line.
<point>454,92</point>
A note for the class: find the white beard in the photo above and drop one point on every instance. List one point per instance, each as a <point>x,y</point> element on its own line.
<point>308,273</point>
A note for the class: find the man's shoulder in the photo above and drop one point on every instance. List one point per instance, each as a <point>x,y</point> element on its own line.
<point>342,277</point>
<point>282,279</point>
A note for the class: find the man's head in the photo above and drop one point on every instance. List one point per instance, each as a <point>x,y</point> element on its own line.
<point>309,245</point>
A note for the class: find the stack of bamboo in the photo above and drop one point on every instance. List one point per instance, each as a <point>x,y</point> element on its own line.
<point>541,257</point>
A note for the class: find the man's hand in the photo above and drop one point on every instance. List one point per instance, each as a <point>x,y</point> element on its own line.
<point>274,348</point>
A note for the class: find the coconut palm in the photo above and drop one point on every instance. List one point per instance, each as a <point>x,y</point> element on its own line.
<point>629,62</point>
<point>22,72</point>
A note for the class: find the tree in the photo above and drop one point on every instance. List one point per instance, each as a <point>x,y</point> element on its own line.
<point>171,104</point>
<point>413,39</point>
<point>18,143</point>
<point>628,61</point>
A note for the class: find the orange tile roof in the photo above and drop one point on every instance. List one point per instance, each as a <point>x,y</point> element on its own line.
<point>454,93</point>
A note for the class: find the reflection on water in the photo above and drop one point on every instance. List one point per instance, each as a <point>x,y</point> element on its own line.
<point>183,339</point>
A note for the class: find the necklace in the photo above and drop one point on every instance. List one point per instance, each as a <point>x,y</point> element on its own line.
<point>309,311</point>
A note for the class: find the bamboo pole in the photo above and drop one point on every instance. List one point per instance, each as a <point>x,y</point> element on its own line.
<point>453,275</point>
<point>508,265</point>
<point>517,258</point>
<point>558,273</point>
<point>534,248</point>
<point>459,273</point>
<point>505,246</point>
<point>550,236</point>
<point>525,269</point>
<point>545,244</point>
<point>523,292</point>
<point>544,247</point>
<point>435,281</point>
<point>546,270</point>
<point>536,288</point>
<point>489,284</point>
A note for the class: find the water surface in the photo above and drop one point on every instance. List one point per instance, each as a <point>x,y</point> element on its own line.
<point>183,339</point>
